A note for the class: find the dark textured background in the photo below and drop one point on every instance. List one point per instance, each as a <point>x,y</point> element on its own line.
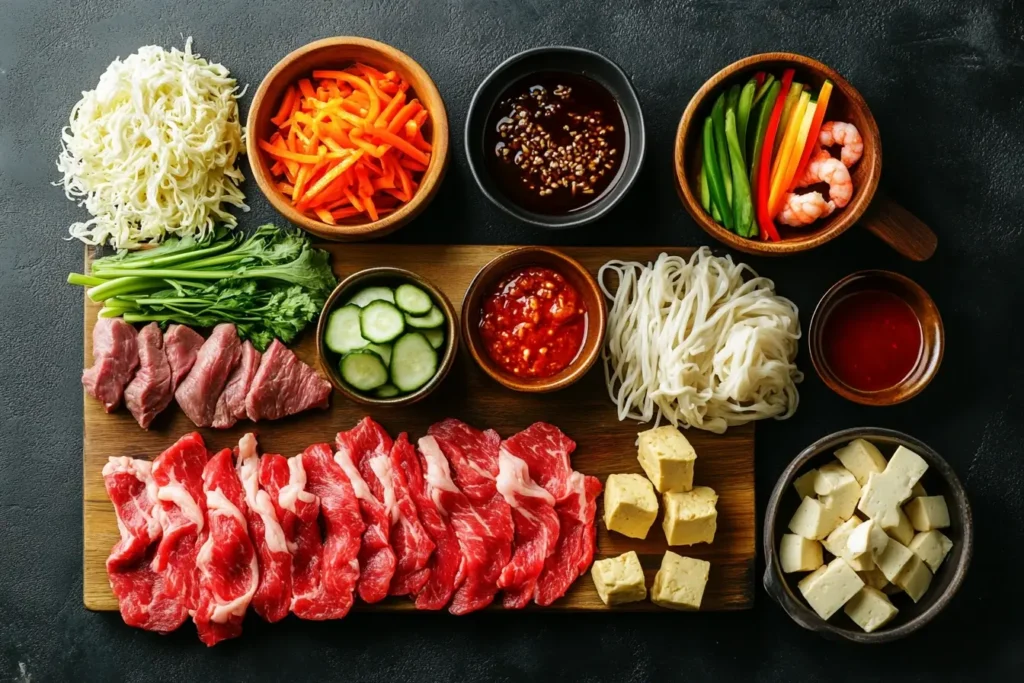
<point>945,82</point>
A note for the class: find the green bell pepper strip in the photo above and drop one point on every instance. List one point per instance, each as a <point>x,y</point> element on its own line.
<point>716,184</point>
<point>763,88</point>
<point>705,193</point>
<point>743,116</point>
<point>764,114</point>
<point>742,204</point>
<point>721,150</point>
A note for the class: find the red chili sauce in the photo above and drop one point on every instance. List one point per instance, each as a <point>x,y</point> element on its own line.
<point>533,323</point>
<point>872,340</point>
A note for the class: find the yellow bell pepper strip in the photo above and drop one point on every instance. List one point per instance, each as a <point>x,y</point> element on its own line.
<point>787,171</point>
<point>787,112</point>
<point>812,135</point>
<point>764,219</point>
<point>781,161</point>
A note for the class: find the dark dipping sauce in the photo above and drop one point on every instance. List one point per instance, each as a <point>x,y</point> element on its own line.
<point>533,323</point>
<point>554,142</point>
<point>872,340</point>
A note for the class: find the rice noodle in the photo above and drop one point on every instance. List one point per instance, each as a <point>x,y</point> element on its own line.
<point>699,344</point>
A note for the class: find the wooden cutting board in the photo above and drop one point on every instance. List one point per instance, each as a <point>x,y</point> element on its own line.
<point>583,411</point>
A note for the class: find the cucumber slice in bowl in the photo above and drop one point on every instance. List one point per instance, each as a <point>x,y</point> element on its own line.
<point>413,300</point>
<point>381,322</point>
<point>386,391</point>
<point>382,350</point>
<point>413,362</point>
<point>435,337</point>
<point>343,330</point>
<point>363,370</point>
<point>433,318</point>
<point>368,294</point>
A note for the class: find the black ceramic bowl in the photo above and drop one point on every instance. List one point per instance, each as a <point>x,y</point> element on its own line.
<point>565,59</point>
<point>938,480</point>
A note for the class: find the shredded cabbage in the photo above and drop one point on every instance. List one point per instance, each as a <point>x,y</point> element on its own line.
<point>152,150</point>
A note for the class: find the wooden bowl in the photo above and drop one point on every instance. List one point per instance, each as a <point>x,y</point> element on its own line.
<point>333,53</point>
<point>932,336</point>
<point>940,479</point>
<point>484,284</point>
<point>889,221</point>
<point>386,277</point>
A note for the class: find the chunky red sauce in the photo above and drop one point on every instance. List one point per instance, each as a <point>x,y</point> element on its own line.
<point>533,323</point>
<point>872,340</point>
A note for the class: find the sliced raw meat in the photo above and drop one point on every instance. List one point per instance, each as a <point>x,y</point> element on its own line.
<point>325,575</point>
<point>473,454</point>
<point>365,443</point>
<point>484,531</point>
<point>181,345</point>
<point>231,403</point>
<point>445,563</point>
<point>536,529</point>
<point>577,539</point>
<point>150,391</point>
<point>412,544</point>
<point>228,569</point>
<point>178,473</point>
<point>142,594</point>
<point>115,354</point>
<point>545,449</point>
<point>218,356</point>
<point>284,385</point>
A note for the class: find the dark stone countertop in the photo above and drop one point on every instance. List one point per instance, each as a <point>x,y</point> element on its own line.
<point>944,80</point>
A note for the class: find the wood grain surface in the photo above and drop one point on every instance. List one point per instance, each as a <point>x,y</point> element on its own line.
<point>583,411</point>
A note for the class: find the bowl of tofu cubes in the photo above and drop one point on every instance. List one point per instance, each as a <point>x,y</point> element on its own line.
<point>867,536</point>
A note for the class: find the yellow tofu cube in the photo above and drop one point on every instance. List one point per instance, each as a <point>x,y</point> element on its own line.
<point>690,516</point>
<point>630,505</point>
<point>870,609</point>
<point>917,491</point>
<point>914,578</point>
<point>893,559</point>
<point>804,484</point>
<point>874,578</point>
<point>812,521</point>
<point>619,579</point>
<point>867,541</point>
<point>667,458</point>
<point>680,582</point>
<point>797,554</point>
<point>835,542</point>
<point>908,466</point>
<point>928,512</point>
<point>830,587</point>
<point>837,490</point>
<point>932,547</point>
<point>861,458</point>
<point>885,491</point>
<point>904,530</point>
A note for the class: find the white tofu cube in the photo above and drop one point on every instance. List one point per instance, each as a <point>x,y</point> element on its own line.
<point>868,540</point>
<point>667,458</point>
<point>680,582</point>
<point>804,484</point>
<point>832,477</point>
<point>928,512</point>
<point>630,505</point>
<point>932,547</point>
<point>904,530</point>
<point>830,587</point>
<point>870,609</point>
<point>861,458</point>
<point>798,554</point>
<point>619,579</point>
<point>893,559</point>
<point>915,578</point>
<point>907,466</point>
<point>690,516</point>
<point>874,578</point>
<point>881,497</point>
<point>835,542</point>
<point>812,521</point>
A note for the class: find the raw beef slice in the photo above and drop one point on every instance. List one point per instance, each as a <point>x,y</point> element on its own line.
<point>412,544</point>
<point>231,403</point>
<point>218,356</point>
<point>150,391</point>
<point>284,385</point>
<point>115,355</point>
<point>181,346</point>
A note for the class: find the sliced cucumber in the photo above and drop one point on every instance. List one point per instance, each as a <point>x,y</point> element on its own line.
<point>365,296</point>
<point>343,335</point>
<point>433,318</point>
<point>413,362</point>
<point>386,391</point>
<point>381,322</point>
<point>413,300</point>
<point>435,337</point>
<point>364,370</point>
<point>382,350</point>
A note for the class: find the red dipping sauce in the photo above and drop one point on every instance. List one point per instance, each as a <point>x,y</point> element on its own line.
<point>872,340</point>
<point>533,323</point>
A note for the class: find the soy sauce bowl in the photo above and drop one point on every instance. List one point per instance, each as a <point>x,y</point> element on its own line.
<point>572,60</point>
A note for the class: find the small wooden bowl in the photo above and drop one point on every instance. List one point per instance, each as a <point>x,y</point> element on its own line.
<point>932,336</point>
<point>387,277</point>
<point>489,277</point>
<point>334,53</point>
<point>940,479</point>
<point>886,219</point>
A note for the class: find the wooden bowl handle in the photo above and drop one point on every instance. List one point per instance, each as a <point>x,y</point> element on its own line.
<point>900,229</point>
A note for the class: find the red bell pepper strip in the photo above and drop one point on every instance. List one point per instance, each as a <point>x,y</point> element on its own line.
<point>759,78</point>
<point>764,218</point>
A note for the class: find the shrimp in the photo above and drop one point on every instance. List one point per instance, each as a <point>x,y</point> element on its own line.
<point>840,184</point>
<point>846,135</point>
<point>810,176</point>
<point>799,210</point>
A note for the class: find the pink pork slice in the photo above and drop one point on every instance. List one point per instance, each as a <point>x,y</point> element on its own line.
<point>115,355</point>
<point>227,564</point>
<point>284,386</point>
<point>181,346</point>
<point>198,393</point>
<point>150,391</point>
<point>231,402</point>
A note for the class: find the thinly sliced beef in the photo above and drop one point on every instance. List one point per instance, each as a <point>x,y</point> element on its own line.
<point>181,346</point>
<point>150,391</point>
<point>231,403</point>
<point>284,385</point>
<point>115,355</point>
<point>228,569</point>
<point>358,449</point>
<point>412,544</point>
<point>217,358</point>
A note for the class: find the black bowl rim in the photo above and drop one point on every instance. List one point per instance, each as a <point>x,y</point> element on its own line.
<point>622,186</point>
<point>778,587</point>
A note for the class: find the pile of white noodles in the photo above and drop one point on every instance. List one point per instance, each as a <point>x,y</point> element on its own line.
<point>152,150</point>
<point>698,343</point>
